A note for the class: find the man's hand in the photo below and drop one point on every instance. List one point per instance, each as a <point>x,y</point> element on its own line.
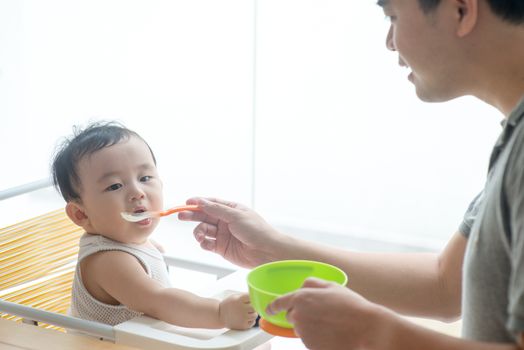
<point>329,316</point>
<point>232,230</point>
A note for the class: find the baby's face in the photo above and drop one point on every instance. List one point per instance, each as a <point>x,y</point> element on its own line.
<point>119,178</point>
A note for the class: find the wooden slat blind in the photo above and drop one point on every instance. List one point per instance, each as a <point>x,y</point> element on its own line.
<point>37,261</point>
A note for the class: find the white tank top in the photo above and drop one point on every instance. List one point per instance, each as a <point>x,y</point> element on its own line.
<point>85,306</point>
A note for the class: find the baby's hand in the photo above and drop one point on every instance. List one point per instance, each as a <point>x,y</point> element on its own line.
<point>236,312</point>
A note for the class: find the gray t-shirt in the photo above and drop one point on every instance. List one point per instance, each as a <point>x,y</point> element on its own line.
<point>493,282</point>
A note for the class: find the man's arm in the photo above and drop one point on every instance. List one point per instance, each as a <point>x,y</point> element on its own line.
<point>328,316</point>
<point>422,284</point>
<point>415,284</point>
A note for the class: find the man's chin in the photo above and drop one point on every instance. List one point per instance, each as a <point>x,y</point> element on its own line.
<point>432,97</point>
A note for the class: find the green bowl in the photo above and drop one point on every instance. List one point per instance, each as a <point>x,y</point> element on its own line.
<point>269,281</point>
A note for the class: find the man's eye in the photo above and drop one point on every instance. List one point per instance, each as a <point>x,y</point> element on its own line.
<point>114,187</point>
<point>146,178</point>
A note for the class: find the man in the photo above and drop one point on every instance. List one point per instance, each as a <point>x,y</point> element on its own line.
<point>453,48</point>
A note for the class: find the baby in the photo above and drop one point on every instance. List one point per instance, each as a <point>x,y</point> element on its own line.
<point>102,171</point>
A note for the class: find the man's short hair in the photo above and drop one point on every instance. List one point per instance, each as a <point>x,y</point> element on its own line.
<point>509,10</point>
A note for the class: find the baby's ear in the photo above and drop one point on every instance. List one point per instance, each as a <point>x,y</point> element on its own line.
<point>76,213</point>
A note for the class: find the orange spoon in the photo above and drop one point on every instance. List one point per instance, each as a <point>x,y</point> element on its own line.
<point>136,217</point>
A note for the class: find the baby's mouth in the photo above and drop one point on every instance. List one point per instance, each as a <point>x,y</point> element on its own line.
<point>145,221</point>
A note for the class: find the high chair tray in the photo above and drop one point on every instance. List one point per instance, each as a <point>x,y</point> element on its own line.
<point>148,333</point>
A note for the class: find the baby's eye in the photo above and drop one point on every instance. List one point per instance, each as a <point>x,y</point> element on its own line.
<point>114,187</point>
<point>146,178</point>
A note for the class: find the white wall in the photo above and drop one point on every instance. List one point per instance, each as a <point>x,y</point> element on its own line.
<point>342,146</point>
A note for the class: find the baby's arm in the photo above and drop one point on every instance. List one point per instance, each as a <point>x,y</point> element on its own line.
<point>127,283</point>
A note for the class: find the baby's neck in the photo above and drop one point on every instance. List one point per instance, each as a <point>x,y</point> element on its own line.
<point>146,243</point>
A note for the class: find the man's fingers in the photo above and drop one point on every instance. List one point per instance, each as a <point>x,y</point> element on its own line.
<point>284,303</point>
<point>212,210</point>
<point>193,216</point>
<point>287,302</point>
<point>198,200</point>
<point>205,234</point>
<point>313,282</point>
<point>198,215</point>
<point>218,209</point>
<point>204,230</point>
<point>223,202</point>
<point>209,244</point>
<point>290,316</point>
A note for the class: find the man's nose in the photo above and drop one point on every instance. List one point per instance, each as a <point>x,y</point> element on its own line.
<point>389,40</point>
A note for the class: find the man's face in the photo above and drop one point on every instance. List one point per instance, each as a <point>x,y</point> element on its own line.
<point>426,45</point>
<point>119,178</point>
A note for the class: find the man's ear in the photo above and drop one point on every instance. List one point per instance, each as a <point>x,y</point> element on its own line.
<point>76,213</point>
<point>467,16</point>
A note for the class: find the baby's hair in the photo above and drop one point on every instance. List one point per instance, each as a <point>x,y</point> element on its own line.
<point>84,142</point>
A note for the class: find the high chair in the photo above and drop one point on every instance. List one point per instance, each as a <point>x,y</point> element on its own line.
<point>37,261</point>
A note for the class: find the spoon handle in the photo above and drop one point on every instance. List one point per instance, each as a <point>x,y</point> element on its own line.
<point>177,209</point>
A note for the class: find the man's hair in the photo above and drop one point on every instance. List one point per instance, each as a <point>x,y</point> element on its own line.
<point>82,143</point>
<point>509,10</point>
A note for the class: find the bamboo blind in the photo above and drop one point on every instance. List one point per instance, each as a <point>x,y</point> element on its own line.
<point>37,261</point>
